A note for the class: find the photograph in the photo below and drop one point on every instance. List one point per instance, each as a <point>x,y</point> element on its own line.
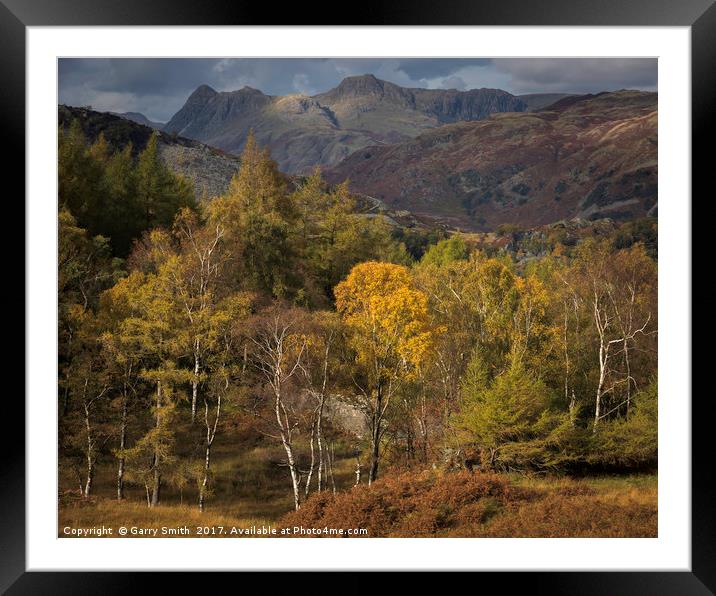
<point>370,297</point>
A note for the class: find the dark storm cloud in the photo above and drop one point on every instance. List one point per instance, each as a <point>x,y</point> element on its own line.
<point>430,68</point>
<point>578,75</point>
<point>159,87</point>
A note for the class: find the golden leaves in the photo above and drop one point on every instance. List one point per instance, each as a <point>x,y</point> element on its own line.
<point>387,314</point>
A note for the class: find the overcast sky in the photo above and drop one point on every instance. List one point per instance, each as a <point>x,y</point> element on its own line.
<point>159,87</point>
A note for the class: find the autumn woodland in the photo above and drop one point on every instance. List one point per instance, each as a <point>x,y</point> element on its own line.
<point>281,355</point>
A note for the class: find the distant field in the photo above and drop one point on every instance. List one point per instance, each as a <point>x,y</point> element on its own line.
<point>427,504</point>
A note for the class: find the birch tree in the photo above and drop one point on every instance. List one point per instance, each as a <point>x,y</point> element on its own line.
<point>617,290</point>
<point>279,347</point>
<point>195,274</point>
<point>90,383</point>
<point>320,370</point>
<point>224,373</point>
<point>153,328</point>
<point>124,364</point>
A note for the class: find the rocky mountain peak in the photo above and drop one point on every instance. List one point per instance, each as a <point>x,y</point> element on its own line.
<point>360,85</point>
<point>202,93</point>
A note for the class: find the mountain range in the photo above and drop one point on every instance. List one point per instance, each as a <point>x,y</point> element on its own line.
<point>304,131</point>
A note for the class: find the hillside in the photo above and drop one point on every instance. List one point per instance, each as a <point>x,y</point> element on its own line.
<point>140,119</point>
<point>588,156</point>
<point>303,131</point>
<point>209,169</point>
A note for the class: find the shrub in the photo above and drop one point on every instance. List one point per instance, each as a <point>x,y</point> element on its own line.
<point>446,251</point>
<point>464,504</point>
<point>507,419</point>
<point>423,504</point>
<point>629,442</point>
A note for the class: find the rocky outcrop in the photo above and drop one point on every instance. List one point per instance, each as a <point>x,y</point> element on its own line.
<point>446,105</point>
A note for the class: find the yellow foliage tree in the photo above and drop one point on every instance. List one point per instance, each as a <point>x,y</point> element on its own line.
<point>390,333</point>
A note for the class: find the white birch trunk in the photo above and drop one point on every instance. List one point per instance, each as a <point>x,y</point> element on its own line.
<point>122,445</point>
<point>90,453</point>
<point>157,482</point>
<point>313,460</point>
<point>210,436</point>
<point>195,381</point>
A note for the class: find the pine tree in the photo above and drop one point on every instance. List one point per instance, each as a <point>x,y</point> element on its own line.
<point>160,193</point>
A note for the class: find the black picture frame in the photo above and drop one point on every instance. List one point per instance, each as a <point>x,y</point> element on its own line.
<point>699,15</point>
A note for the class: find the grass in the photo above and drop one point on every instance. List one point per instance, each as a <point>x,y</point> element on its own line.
<point>105,512</point>
<point>601,507</point>
<point>254,492</point>
<point>250,488</point>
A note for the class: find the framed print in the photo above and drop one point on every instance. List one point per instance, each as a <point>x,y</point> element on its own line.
<point>432,292</point>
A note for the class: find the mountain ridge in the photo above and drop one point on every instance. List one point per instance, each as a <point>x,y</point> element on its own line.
<point>304,131</point>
